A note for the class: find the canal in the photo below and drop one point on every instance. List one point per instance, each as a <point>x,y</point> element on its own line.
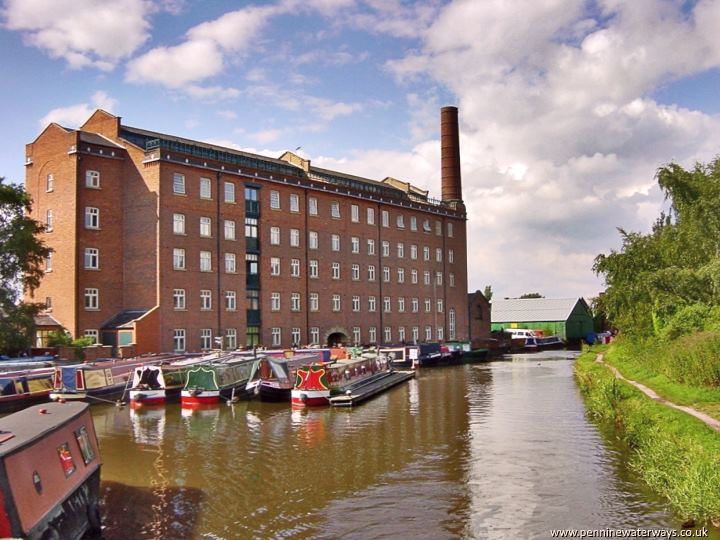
<point>498,450</point>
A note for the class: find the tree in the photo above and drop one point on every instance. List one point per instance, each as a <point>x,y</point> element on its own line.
<point>487,293</point>
<point>22,254</point>
<point>532,295</point>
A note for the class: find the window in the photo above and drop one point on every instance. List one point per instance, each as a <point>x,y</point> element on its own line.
<point>414,304</point>
<point>401,304</point>
<point>229,229</point>
<point>252,207</point>
<point>371,216</point>
<point>179,339</point>
<point>276,337</point>
<point>355,244</point>
<point>313,269</point>
<point>438,254</point>
<point>355,272</point>
<point>400,221</point>
<point>440,305</point>
<point>451,279</point>
<point>438,228</point>
<point>312,240</point>
<point>295,267</point>
<point>387,308</point>
<point>413,223</point>
<point>275,236</point>
<point>372,303</point>
<point>450,235</point>
<point>426,276</point>
<point>413,252</point>
<point>385,218</point>
<point>205,299</point>
<point>428,333</point>
<point>354,213</point>
<point>92,258</point>
<point>371,272</point>
<point>336,302</point>
<point>230,263</point>
<point>371,246</point>
<point>92,179</point>
<point>205,227</point>
<point>92,334</point>
<point>230,301</point>
<point>312,206</point>
<point>252,333</point>
<point>335,242</point>
<point>179,183</point>
<point>295,237</point>
<point>178,223</point>
<point>314,336</point>
<point>335,209</point>
<point>336,270</point>
<point>92,300</point>
<point>388,334</point>
<point>275,200</point>
<point>401,275</point>
<point>50,185</point>
<point>426,226</point>
<point>231,338</point>
<point>356,303</point>
<point>385,248</point>
<point>205,261</point>
<point>413,276</point>
<point>179,259</point>
<point>386,274</point>
<point>401,334</point>
<point>205,338</point>
<point>229,192</point>
<point>438,278</point>
<point>426,253</point>
<point>356,335</point>
<point>251,265</point>
<point>428,305</point>
<point>400,250</point>
<point>415,333</point>
<point>451,323</point>
<point>92,218</point>
<point>49,262</point>
<point>252,299</point>
<point>275,301</point>
<point>295,301</point>
<point>251,228</point>
<point>440,333</point>
<point>205,188</point>
<point>295,336</point>
<point>372,334</point>
<point>451,256</point>
<point>294,203</point>
<point>314,301</point>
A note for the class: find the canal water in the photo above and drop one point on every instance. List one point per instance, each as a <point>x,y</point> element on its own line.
<point>498,450</point>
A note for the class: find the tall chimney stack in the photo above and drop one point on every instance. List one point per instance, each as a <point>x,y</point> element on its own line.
<point>450,155</point>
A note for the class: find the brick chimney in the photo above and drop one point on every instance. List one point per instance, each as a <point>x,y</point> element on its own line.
<point>450,155</point>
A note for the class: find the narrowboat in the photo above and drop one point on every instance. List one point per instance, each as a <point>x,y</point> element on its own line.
<point>50,473</point>
<point>400,356</point>
<point>225,377</point>
<point>153,384</point>
<point>316,383</point>
<point>18,389</point>
<point>273,378</point>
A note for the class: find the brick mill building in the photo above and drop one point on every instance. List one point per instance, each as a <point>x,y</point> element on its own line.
<point>174,244</point>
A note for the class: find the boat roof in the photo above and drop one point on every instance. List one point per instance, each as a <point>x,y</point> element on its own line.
<point>30,424</point>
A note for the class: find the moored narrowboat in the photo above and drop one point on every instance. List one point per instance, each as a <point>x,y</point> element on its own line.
<point>18,389</point>
<point>49,472</point>
<point>273,378</point>
<point>153,384</point>
<point>225,377</point>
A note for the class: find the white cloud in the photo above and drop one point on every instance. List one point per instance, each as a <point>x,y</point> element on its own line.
<point>76,115</point>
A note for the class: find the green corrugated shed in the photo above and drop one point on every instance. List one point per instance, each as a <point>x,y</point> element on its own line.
<point>568,318</point>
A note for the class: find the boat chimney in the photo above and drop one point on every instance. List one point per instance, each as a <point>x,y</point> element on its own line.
<point>450,156</point>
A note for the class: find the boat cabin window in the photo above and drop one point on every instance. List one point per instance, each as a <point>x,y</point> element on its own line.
<point>7,387</point>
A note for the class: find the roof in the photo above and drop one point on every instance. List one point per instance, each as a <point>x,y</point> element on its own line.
<point>124,318</point>
<point>100,140</point>
<point>45,319</point>
<point>533,309</point>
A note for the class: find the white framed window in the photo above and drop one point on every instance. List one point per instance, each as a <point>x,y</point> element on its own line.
<point>276,338</point>
<point>451,279</point>
<point>336,270</point>
<point>313,269</point>
<point>335,242</point>
<point>294,301</point>
<point>230,300</point>
<point>371,216</point>
<point>385,218</point>
<point>312,206</point>
<point>426,226</point>
<point>179,183</point>
<point>50,183</point>
<point>386,274</point>
<point>385,248</point>
<point>179,339</point>
<point>294,203</point>
<point>401,275</point>
<point>313,240</point>
<point>354,213</point>
<point>275,301</point>
<point>314,335</point>
<point>295,267</point>
<point>295,336</point>
<point>426,277</point>
<point>388,334</point>
<point>92,218</point>
<point>356,335</point>
<point>230,263</point>
<point>336,302</point>
<point>415,333</point>
<point>413,276</point>
<point>371,246</point>
<point>92,179</point>
<point>229,192</point>
<point>251,229</point>
<point>451,256</point>
<point>401,304</point>
<point>355,272</point>
<point>231,338</point>
<point>275,236</point>
<point>438,254</point>
<point>205,188</point>
<point>372,334</point>
<point>229,229</point>
<point>372,304</point>
<point>205,261</point>
<point>178,223</point>
<point>440,305</point>
<point>413,223</point>
<point>178,258</point>
<point>400,221</point>
<point>335,210</point>
<point>426,253</point>
<point>49,262</point>
<point>450,233</point>
<point>438,278</point>
<point>92,258</point>
<point>413,252</point>
<point>387,305</point>
<point>356,303</point>
<point>314,301</point>
<point>451,323</point>
<point>401,334</point>
<point>275,200</point>
<point>295,237</point>
<point>205,227</point>
<point>92,299</point>
<point>205,339</point>
<point>414,305</point>
<point>355,244</point>
<point>438,228</point>
<point>371,272</point>
<point>205,299</point>
<point>92,334</point>
<point>428,333</point>
<point>440,333</point>
<point>401,250</point>
<point>428,305</point>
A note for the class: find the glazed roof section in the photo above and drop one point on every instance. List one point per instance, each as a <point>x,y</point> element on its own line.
<point>533,309</point>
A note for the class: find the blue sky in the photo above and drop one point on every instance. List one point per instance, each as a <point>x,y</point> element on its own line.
<point>567,108</point>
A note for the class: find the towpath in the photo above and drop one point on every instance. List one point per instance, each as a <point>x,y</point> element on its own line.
<point>711,422</point>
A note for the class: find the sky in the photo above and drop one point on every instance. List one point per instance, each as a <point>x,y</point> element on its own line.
<point>567,108</point>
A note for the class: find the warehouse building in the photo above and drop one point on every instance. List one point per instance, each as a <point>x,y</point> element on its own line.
<point>568,318</point>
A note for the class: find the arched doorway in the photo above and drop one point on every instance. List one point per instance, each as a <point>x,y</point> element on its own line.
<point>336,337</point>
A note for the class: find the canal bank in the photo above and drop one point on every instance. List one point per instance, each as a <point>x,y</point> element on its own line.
<point>677,455</point>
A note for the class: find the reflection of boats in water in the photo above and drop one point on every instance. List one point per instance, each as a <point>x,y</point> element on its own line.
<point>148,425</point>
<point>273,378</point>
<point>225,377</point>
